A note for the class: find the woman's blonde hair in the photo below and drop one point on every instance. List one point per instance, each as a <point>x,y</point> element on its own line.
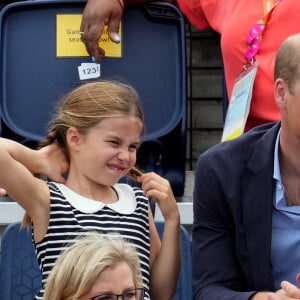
<point>85,106</point>
<point>77,268</point>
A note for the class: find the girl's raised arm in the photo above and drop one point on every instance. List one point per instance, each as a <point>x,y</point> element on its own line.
<point>165,256</point>
<point>19,164</point>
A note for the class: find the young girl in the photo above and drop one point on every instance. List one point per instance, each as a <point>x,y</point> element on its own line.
<point>94,137</point>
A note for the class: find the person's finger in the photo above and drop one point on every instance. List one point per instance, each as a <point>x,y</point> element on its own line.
<point>2,192</point>
<point>290,289</point>
<point>90,39</point>
<point>92,47</point>
<point>60,179</point>
<point>113,28</point>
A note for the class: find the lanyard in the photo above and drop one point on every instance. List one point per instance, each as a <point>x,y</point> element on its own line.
<point>268,6</point>
<point>254,37</point>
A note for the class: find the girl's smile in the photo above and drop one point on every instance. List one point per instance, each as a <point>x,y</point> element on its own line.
<point>105,153</point>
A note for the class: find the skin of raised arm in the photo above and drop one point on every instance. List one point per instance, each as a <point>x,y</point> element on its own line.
<point>165,255</point>
<point>19,164</point>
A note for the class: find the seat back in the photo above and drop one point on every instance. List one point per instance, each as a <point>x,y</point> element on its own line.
<point>153,61</point>
<point>20,276</point>
<point>184,287</point>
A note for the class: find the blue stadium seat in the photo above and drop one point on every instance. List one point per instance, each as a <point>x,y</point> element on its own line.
<point>20,276</point>
<point>184,287</point>
<point>153,60</point>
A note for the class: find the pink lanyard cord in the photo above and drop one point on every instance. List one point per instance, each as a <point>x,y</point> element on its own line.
<point>254,37</point>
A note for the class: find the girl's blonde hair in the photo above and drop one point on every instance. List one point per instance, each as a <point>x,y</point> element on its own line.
<point>77,268</point>
<point>85,106</point>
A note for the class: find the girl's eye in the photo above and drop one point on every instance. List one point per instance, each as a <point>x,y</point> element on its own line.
<point>114,142</point>
<point>133,148</point>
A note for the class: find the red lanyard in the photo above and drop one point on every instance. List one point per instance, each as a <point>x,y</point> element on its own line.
<point>254,37</point>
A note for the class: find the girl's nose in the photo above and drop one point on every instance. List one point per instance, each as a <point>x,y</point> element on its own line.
<point>123,155</point>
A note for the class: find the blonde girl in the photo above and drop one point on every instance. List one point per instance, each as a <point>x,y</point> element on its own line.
<point>94,137</point>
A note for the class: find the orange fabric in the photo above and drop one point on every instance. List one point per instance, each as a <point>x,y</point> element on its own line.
<point>233,19</point>
<point>268,5</point>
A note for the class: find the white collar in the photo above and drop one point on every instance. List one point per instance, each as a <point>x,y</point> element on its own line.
<point>126,203</point>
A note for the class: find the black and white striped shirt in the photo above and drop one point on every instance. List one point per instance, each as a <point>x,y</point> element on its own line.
<point>72,215</point>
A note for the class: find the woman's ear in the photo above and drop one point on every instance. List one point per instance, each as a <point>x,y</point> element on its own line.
<point>73,138</point>
<point>280,92</point>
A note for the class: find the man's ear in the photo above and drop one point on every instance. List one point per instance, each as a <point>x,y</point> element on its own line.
<point>280,92</point>
<point>73,138</point>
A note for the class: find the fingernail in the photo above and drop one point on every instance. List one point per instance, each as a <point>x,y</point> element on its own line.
<point>116,37</point>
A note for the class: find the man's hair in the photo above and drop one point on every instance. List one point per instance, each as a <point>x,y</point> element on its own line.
<point>287,61</point>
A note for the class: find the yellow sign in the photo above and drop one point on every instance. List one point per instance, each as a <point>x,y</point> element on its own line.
<point>68,38</point>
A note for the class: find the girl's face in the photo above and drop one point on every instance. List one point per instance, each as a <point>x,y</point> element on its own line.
<point>115,280</point>
<point>107,151</point>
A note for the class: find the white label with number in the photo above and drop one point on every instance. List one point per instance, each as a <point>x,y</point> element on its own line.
<point>89,71</point>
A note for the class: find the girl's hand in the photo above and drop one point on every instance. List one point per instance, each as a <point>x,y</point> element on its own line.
<point>160,190</point>
<point>55,162</point>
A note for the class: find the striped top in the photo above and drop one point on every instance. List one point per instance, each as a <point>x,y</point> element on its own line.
<point>72,215</point>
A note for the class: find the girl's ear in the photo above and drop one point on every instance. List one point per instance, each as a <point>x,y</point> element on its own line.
<point>73,138</point>
<point>280,92</point>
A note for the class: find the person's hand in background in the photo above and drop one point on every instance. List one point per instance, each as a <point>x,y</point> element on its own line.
<point>97,14</point>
